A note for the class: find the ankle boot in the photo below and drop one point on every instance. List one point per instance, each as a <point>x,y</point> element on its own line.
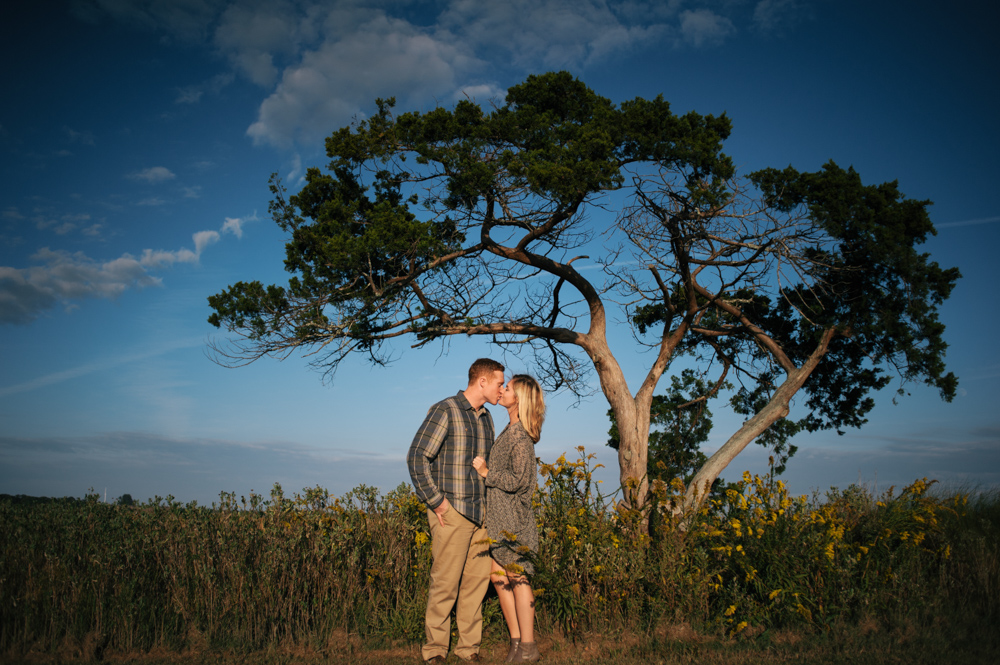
<point>512,652</point>
<point>527,652</point>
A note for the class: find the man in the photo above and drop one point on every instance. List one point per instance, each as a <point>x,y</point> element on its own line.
<point>456,431</point>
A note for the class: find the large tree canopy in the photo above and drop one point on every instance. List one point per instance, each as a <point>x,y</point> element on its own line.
<point>468,222</point>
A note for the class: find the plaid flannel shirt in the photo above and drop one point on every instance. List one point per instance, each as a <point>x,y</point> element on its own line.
<point>440,457</point>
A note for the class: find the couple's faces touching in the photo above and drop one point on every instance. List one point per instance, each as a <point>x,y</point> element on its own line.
<point>496,392</point>
<point>509,397</point>
<point>492,387</point>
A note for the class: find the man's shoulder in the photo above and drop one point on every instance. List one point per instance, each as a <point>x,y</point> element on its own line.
<point>445,409</point>
<point>450,402</point>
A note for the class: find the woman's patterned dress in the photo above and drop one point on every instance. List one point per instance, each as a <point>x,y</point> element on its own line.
<point>510,484</point>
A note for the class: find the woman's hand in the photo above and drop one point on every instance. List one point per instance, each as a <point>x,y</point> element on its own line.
<point>480,466</point>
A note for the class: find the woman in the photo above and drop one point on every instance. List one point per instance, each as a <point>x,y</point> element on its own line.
<point>510,521</point>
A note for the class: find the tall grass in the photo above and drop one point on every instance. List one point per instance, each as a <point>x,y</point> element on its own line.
<point>83,577</point>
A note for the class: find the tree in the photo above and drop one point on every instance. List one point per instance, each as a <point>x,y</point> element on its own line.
<point>471,221</point>
<point>674,451</point>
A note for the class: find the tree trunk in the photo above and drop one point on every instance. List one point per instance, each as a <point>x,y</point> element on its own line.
<point>632,418</point>
<point>775,410</point>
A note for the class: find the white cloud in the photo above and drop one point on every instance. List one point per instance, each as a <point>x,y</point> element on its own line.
<point>83,138</point>
<point>777,15</point>
<point>63,277</point>
<point>25,293</point>
<point>203,239</point>
<point>969,222</point>
<point>12,213</point>
<point>193,94</point>
<point>554,33</point>
<point>481,94</point>
<point>329,87</point>
<point>252,34</point>
<point>233,225</point>
<point>189,95</point>
<point>325,61</point>
<point>704,27</point>
<point>296,175</point>
<point>154,174</point>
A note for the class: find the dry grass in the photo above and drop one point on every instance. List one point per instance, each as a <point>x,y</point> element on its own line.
<point>673,644</point>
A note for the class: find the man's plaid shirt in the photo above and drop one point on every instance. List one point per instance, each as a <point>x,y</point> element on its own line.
<point>440,457</point>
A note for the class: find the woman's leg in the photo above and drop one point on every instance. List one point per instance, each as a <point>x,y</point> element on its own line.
<point>524,608</point>
<point>500,582</point>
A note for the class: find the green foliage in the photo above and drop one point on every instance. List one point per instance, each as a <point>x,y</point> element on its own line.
<point>880,290</point>
<point>392,239</point>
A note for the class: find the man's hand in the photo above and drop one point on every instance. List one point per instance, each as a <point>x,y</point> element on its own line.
<point>441,510</point>
<point>480,466</point>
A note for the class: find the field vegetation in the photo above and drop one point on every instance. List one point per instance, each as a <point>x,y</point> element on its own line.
<point>758,575</point>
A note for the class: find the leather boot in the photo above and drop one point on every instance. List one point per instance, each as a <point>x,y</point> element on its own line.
<point>512,652</point>
<point>527,652</point>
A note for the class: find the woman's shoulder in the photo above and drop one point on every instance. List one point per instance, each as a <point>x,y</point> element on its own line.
<point>520,434</point>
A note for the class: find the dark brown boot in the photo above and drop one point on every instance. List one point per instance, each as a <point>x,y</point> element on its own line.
<point>512,651</point>
<point>527,652</point>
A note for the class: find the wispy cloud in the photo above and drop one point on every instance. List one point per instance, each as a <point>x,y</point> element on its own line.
<point>82,138</point>
<point>778,16</point>
<point>969,222</point>
<point>955,458</point>
<point>193,94</point>
<point>64,277</point>
<point>234,225</point>
<point>153,174</point>
<point>703,27</point>
<point>143,464</point>
<point>99,365</point>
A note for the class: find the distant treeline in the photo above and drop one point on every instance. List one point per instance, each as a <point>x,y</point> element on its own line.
<point>80,578</point>
<point>22,499</point>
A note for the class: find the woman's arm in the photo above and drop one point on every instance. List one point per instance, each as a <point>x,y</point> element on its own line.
<point>522,457</point>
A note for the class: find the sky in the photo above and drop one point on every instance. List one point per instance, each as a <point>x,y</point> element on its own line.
<point>136,142</point>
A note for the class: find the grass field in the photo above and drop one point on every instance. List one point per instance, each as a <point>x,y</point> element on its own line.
<point>759,576</point>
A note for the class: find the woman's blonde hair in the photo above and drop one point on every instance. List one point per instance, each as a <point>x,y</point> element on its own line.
<point>530,404</point>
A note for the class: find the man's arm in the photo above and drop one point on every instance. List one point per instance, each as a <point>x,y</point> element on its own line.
<point>423,450</point>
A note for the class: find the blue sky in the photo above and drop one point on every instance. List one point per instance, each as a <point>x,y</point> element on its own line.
<point>136,141</point>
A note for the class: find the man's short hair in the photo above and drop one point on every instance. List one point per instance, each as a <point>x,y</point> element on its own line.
<point>483,367</point>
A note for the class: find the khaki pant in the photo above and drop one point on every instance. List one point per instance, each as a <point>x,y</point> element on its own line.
<point>460,571</point>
